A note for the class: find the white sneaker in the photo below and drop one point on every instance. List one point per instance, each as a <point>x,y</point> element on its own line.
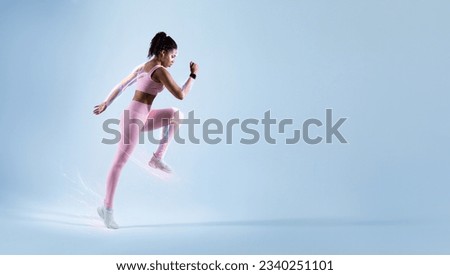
<point>107,216</point>
<point>157,163</point>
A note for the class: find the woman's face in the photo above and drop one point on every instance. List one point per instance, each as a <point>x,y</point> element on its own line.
<point>168,57</point>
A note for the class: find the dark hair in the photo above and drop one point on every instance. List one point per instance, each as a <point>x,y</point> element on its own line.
<point>161,42</point>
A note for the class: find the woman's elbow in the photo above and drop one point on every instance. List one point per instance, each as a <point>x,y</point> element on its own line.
<point>180,95</point>
<point>177,93</point>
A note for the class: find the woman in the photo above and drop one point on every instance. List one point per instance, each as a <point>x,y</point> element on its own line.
<point>151,78</point>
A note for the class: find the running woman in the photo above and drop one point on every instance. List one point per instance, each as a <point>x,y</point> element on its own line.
<point>151,77</point>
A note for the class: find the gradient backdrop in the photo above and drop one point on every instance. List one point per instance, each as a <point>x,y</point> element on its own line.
<point>383,65</point>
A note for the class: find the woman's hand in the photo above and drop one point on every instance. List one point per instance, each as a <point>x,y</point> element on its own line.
<point>98,109</point>
<point>193,67</point>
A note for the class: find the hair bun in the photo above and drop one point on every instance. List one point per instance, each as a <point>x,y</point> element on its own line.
<point>161,35</point>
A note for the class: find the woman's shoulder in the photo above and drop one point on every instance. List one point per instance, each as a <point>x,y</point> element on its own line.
<point>140,68</point>
<point>148,66</point>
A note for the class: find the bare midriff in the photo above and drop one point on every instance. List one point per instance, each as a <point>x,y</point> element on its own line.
<point>143,97</point>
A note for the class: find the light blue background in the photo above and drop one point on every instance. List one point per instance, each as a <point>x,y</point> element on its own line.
<point>383,65</point>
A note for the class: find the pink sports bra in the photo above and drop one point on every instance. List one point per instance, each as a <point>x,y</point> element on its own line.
<point>144,82</point>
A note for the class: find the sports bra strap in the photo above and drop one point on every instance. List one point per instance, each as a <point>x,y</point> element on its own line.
<point>153,69</point>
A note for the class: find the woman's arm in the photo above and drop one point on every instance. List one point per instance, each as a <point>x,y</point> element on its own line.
<point>179,92</point>
<point>118,89</point>
<point>127,81</point>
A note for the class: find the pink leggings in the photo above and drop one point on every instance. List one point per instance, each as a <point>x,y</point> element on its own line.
<point>137,118</point>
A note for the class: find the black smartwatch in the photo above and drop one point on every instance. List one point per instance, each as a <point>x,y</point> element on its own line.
<point>193,75</point>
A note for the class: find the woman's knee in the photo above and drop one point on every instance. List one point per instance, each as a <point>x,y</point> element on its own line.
<point>177,115</point>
